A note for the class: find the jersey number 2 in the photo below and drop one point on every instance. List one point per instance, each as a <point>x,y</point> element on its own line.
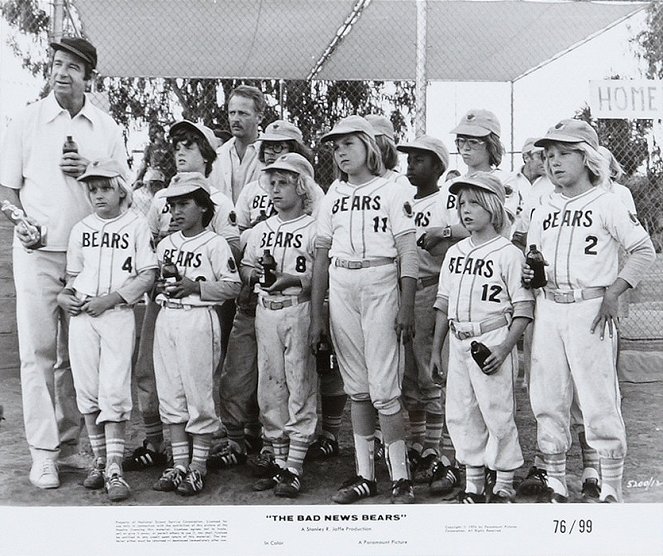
<point>591,243</point>
<point>126,265</point>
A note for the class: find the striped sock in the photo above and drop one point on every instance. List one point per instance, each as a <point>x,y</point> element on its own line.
<point>474,479</point>
<point>181,453</point>
<point>448,450</point>
<point>555,465</point>
<point>363,416</point>
<point>98,445</point>
<point>201,446</point>
<point>281,446</point>
<point>612,471</point>
<point>417,418</point>
<point>236,437</point>
<point>332,408</point>
<point>114,450</point>
<point>434,427</point>
<point>590,459</point>
<point>296,454</point>
<point>504,481</point>
<point>154,432</point>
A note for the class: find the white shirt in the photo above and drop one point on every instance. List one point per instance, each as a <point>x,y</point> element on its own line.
<point>431,212</point>
<point>230,174</point>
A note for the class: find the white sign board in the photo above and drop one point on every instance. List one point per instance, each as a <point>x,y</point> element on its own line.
<point>638,99</point>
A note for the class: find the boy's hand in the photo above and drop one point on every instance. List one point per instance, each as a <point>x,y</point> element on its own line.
<point>437,372</point>
<point>607,315</point>
<point>527,276</point>
<point>183,288</point>
<point>96,306</point>
<point>282,282</point>
<point>404,325</point>
<point>494,361</point>
<point>316,330</point>
<point>69,302</point>
<point>73,164</point>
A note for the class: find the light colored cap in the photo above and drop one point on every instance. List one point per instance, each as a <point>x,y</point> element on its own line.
<point>478,123</point>
<point>381,125</point>
<point>427,143</point>
<point>280,130</point>
<point>529,145</point>
<point>481,180</point>
<point>351,124</point>
<point>570,131</point>
<point>291,162</point>
<point>104,168</point>
<point>152,174</point>
<point>203,130</point>
<point>184,183</point>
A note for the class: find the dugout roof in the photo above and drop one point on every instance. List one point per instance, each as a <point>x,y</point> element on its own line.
<point>284,39</point>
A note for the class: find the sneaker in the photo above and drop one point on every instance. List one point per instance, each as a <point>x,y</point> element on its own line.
<point>144,458</point>
<point>490,478</point>
<point>378,450</point>
<point>170,479</point>
<point>471,498</point>
<point>535,484</point>
<point>228,458</point>
<point>192,484</point>
<point>44,474</point>
<point>95,477</point>
<point>117,488</point>
<point>263,466</point>
<point>402,492</point>
<point>610,499</point>
<point>445,479</point>
<point>591,490</point>
<point>502,496</point>
<point>413,459</point>
<point>322,448</point>
<point>424,471</point>
<point>355,489</point>
<point>253,444</point>
<point>288,484</point>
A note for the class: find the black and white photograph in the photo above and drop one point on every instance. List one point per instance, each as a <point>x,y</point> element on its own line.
<point>331,276</point>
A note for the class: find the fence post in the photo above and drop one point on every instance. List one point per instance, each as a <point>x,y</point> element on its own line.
<point>421,77</point>
<point>58,20</point>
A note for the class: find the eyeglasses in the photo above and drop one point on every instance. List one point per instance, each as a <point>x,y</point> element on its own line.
<point>276,148</point>
<point>472,143</point>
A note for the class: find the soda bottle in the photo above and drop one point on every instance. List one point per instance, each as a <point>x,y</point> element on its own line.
<point>324,358</point>
<point>17,216</point>
<point>269,269</point>
<point>169,273</point>
<point>479,353</point>
<point>537,263</point>
<point>69,146</point>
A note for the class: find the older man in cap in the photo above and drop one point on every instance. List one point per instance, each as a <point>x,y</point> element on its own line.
<point>37,177</point>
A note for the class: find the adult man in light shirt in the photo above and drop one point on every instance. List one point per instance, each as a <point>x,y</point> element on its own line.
<point>238,162</point>
<point>36,176</point>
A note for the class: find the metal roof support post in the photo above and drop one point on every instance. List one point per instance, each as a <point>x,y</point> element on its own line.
<point>421,77</point>
<point>511,86</point>
<point>58,20</point>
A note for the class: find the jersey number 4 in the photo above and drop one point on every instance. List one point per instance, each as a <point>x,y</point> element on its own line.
<point>126,265</point>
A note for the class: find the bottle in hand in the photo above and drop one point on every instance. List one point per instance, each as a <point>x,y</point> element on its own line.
<point>480,353</point>
<point>269,269</point>
<point>169,274</point>
<point>537,263</point>
<point>69,145</point>
<point>17,217</point>
<point>324,358</point>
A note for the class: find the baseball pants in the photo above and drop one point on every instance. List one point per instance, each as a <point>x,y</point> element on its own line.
<point>146,388</point>
<point>52,420</point>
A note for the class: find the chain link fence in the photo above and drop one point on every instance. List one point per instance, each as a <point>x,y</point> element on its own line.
<point>314,104</point>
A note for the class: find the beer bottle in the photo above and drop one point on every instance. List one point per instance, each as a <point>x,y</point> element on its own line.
<point>479,353</point>
<point>69,146</point>
<point>324,358</point>
<point>269,269</point>
<point>537,263</point>
<point>169,274</point>
<point>17,216</point>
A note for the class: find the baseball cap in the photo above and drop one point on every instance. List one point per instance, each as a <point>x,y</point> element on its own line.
<point>351,124</point>
<point>152,174</point>
<point>184,183</point>
<point>291,162</point>
<point>280,130</point>
<point>570,131</point>
<point>481,180</point>
<point>203,130</point>
<point>427,143</point>
<point>78,47</point>
<point>478,123</point>
<point>103,168</point>
<point>381,125</point>
<point>529,145</point>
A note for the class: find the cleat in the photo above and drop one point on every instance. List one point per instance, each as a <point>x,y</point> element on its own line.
<point>413,459</point>
<point>95,477</point>
<point>170,479</point>
<point>552,497</point>
<point>489,484</point>
<point>471,498</point>
<point>445,479</point>
<point>228,458</point>
<point>44,474</point>
<point>144,458</point>
<point>378,451</point>
<point>264,467</point>
<point>535,484</point>
<point>355,489</point>
<point>288,484</point>
<point>402,492</point>
<point>591,492</point>
<point>424,470</point>
<point>117,488</point>
<point>192,484</point>
<point>610,499</point>
<point>322,448</point>
<point>502,496</point>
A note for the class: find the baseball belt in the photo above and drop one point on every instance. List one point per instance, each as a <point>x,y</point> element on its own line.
<point>573,296</point>
<point>425,282</point>
<point>276,305</point>
<point>167,304</point>
<point>366,263</point>
<point>465,330</point>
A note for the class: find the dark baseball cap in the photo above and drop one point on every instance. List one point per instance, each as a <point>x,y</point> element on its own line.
<point>78,47</point>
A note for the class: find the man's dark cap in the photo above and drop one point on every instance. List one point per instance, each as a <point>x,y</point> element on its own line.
<point>79,47</point>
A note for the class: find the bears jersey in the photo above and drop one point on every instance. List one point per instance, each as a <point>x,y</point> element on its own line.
<point>580,238</point>
<point>224,222</point>
<point>291,244</point>
<point>205,257</point>
<point>105,254</point>
<point>430,212</point>
<point>482,282</point>
<point>253,201</point>
<point>541,189</point>
<point>362,221</point>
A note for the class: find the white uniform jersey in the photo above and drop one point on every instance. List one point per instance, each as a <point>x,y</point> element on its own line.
<point>362,221</point>
<point>430,212</point>
<point>205,257</point>
<point>224,222</point>
<point>105,254</point>
<point>482,282</point>
<point>291,244</point>
<point>580,237</point>
<point>541,189</point>
<point>624,194</point>
<point>253,201</point>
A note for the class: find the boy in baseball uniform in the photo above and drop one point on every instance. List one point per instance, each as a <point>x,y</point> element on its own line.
<point>481,298</point>
<point>187,341</point>
<point>579,231</point>
<point>287,378</point>
<point>110,265</point>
